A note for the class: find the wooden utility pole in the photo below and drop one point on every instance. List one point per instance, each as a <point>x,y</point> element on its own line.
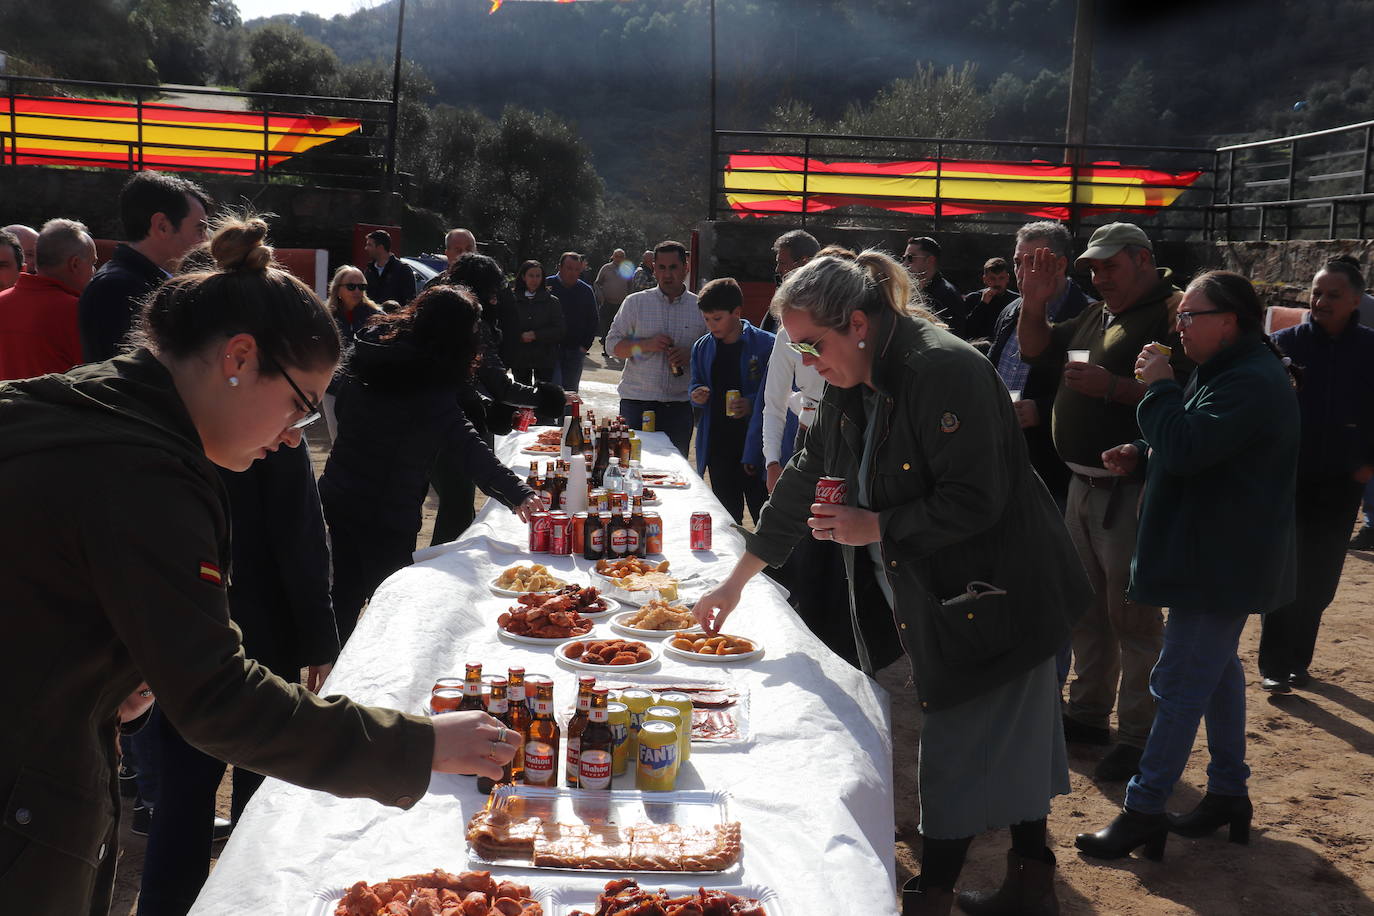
<point>393,121</point>
<point>1080,88</point>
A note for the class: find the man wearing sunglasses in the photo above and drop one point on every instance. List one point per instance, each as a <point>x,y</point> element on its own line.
<point>922,261</point>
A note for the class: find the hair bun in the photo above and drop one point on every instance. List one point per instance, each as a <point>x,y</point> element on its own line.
<point>240,245</point>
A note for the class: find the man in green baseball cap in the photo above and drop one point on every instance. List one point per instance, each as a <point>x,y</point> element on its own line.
<point>1117,643</point>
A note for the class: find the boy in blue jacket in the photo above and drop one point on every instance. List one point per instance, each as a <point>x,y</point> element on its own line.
<point>733,356</point>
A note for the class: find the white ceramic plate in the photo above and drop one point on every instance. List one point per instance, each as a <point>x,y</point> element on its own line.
<point>567,899</point>
<point>527,450</point>
<point>714,659</point>
<point>512,593</point>
<point>637,633</point>
<point>655,651</point>
<point>539,640</point>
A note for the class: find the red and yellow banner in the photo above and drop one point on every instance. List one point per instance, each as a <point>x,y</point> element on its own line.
<point>55,131</point>
<point>756,184</point>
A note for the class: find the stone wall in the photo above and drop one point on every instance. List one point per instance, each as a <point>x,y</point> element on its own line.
<point>1283,271</point>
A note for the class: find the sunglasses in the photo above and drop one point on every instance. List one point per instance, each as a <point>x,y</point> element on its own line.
<point>311,408</point>
<point>354,287</point>
<point>808,349</point>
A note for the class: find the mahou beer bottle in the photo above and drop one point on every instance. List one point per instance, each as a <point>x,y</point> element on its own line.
<point>577,724</point>
<point>594,536</point>
<point>499,708</point>
<point>532,481</point>
<point>637,540</point>
<point>472,687</point>
<point>541,747</point>
<point>597,752</point>
<point>551,486</point>
<point>624,443</point>
<point>617,537</point>
<point>518,720</point>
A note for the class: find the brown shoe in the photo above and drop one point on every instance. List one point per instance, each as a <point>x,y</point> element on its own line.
<point>917,901</point>
<point>1027,890</point>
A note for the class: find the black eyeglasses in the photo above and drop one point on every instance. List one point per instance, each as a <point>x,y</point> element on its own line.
<point>311,408</point>
<point>1186,318</point>
<point>354,286</point>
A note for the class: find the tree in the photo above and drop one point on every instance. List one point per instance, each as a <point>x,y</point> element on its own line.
<point>281,59</point>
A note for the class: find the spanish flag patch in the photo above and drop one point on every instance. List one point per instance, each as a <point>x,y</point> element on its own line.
<point>211,573</point>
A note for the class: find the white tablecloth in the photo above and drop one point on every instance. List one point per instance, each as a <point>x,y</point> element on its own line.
<point>812,790</point>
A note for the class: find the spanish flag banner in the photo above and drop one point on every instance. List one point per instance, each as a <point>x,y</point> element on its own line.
<point>58,131</point>
<point>757,184</point>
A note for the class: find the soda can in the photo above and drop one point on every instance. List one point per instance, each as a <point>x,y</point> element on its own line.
<point>656,770</point>
<point>540,531</point>
<point>731,397</point>
<point>560,541</point>
<point>618,717</point>
<point>646,423</point>
<point>683,704</point>
<point>600,501</point>
<point>701,531</point>
<point>653,534</point>
<point>831,490</point>
<point>524,417</point>
<point>1163,350</point>
<point>445,699</point>
<point>635,448</point>
<point>616,500</point>
<point>638,700</point>
<point>579,530</point>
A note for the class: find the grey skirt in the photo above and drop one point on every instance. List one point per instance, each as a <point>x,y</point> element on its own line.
<point>995,760</point>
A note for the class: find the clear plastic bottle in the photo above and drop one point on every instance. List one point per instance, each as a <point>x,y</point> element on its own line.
<point>614,481</point>
<point>634,481</point>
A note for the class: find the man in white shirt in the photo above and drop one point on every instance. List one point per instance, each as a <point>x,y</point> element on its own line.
<point>653,333</point>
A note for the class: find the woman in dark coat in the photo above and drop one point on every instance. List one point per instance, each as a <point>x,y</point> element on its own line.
<point>1216,544</point>
<point>490,397</point>
<point>398,408</point>
<point>971,562</point>
<point>533,327</point>
<point>352,311</point>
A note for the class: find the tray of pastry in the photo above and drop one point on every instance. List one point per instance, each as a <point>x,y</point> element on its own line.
<point>688,831</point>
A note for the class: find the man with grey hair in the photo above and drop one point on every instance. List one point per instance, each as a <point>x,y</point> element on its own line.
<point>790,250</point>
<point>1115,644</point>
<point>457,243</point>
<point>38,325</point>
<point>11,259</point>
<point>1036,387</point>
<point>612,285</point>
<point>28,239</point>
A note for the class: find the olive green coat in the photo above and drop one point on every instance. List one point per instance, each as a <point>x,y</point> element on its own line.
<point>113,557</point>
<point>957,501</point>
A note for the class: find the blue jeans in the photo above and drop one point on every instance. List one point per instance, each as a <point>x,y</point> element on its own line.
<point>1198,675</point>
<point>567,371</point>
<point>672,417</point>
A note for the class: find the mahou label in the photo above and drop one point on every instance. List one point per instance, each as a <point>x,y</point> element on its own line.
<point>594,770</point>
<point>538,762</point>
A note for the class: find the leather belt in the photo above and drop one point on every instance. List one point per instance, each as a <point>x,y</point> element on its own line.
<point>1099,483</point>
<point>1116,485</point>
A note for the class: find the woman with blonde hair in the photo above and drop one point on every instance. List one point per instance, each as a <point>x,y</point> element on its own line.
<point>949,532</point>
<point>352,310</point>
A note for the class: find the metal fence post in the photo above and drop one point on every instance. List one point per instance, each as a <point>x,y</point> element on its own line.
<point>711,185</point>
<point>138,104</point>
<point>1292,170</point>
<point>266,174</point>
<point>939,175</point>
<point>1364,182</point>
<point>806,178</point>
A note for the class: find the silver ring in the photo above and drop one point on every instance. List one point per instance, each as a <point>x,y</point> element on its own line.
<point>501,735</point>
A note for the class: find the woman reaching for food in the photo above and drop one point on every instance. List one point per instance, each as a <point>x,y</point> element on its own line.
<point>948,533</point>
<point>115,556</point>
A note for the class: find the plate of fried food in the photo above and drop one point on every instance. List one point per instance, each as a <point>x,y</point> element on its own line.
<point>624,895</point>
<point>472,892</point>
<point>550,436</point>
<point>627,566</point>
<point>520,580</point>
<point>657,619</point>
<point>542,619</point>
<point>711,647</point>
<point>603,654</point>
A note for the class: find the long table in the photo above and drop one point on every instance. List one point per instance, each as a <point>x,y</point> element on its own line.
<point>812,789</point>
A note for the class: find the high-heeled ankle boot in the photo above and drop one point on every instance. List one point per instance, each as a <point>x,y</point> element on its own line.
<point>1121,837</point>
<point>921,901</point>
<point>1214,811</point>
<point>1027,890</point>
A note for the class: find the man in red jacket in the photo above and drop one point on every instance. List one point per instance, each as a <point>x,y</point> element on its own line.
<point>38,327</point>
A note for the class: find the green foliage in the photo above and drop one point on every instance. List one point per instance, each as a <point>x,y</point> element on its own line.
<point>282,59</point>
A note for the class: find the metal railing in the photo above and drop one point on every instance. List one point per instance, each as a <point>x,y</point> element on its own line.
<point>1313,185</point>
<point>363,158</point>
<point>1088,166</point>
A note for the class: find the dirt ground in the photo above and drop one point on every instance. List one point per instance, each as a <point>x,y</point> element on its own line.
<point>1311,754</point>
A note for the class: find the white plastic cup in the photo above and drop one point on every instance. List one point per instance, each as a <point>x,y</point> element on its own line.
<point>1015,395</point>
<point>1079,356</point>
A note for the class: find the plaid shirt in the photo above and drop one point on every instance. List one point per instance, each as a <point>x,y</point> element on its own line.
<point>644,314</point>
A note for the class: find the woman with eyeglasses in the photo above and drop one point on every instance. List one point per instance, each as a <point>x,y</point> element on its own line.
<point>1215,545</point>
<point>352,310</point>
<point>946,529</point>
<point>400,405</point>
<point>115,559</point>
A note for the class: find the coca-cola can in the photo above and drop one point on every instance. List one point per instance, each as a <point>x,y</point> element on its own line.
<point>831,490</point>
<point>701,531</point>
<point>523,418</point>
<point>560,534</point>
<point>540,532</point>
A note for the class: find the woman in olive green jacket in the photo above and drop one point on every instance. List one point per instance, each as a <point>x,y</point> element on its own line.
<point>114,557</point>
<point>974,566</point>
